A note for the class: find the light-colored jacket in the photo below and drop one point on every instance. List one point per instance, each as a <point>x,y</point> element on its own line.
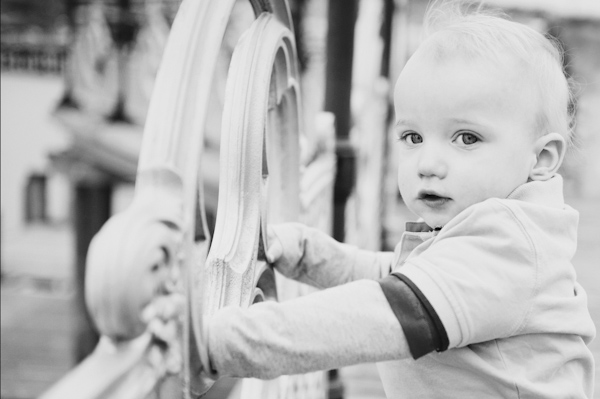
<point>498,276</point>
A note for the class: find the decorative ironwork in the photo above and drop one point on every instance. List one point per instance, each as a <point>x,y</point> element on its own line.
<point>160,244</point>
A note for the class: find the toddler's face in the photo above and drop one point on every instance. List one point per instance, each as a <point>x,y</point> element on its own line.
<point>466,131</point>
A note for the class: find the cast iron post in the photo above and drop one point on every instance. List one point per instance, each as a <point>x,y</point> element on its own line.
<point>338,90</point>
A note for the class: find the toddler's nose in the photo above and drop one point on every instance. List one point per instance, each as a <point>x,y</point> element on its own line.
<point>432,162</point>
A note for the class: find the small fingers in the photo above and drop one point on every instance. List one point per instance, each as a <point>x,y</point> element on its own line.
<point>275,249</point>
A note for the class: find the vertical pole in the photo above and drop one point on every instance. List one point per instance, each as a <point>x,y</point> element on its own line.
<point>387,29</point>
<point>92,210</point>
<point>338,90</point>
<point>386,36</point>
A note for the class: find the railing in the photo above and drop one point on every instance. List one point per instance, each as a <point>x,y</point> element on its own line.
<point>161,244</point>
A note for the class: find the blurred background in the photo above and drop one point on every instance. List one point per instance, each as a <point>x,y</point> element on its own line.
<point>76,79</point>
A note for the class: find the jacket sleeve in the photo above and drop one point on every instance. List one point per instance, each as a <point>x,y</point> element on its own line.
<point>332,328</point>
<point>312,257</point>
<point>481,274</point>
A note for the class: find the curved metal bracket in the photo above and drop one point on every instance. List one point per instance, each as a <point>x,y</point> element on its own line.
<point>262,57</point>
<point>260,135</point>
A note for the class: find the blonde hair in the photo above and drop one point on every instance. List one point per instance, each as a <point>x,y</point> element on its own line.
<point>454,26</point>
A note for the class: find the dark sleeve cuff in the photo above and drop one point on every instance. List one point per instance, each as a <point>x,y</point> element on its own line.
<point>422,326</point>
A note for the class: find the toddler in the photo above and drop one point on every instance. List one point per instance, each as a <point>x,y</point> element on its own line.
<point>480,298</point>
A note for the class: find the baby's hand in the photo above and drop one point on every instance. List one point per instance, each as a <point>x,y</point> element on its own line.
<point>285,247</point>
<point>274,246</point>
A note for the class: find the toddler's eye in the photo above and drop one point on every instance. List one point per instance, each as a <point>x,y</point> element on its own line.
<point>412,138</point>
<point>467,138</point>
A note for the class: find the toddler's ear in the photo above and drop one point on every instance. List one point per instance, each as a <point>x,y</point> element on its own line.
<point>550,150</point>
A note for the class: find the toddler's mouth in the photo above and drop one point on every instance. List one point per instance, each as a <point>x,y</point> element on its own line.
<point>432,199</point>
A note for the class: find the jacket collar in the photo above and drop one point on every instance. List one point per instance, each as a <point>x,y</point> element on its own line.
<point>548,192</point>
<point>417,227</point>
